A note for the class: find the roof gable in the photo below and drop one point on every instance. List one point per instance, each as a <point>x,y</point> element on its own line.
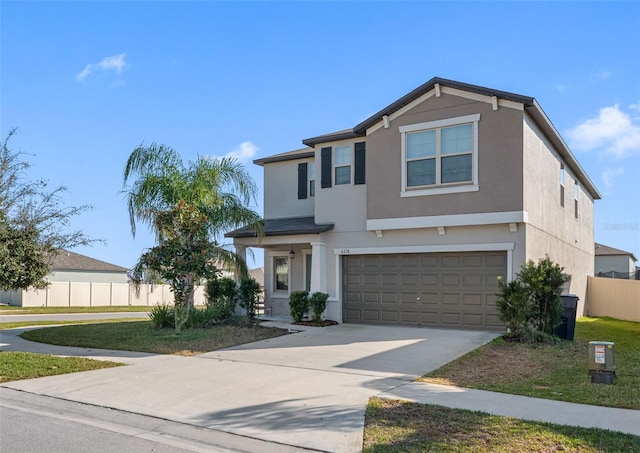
<point>436,84</point>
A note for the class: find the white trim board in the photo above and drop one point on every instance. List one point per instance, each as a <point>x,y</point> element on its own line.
<point>489,218</point>
<point>480,247</point>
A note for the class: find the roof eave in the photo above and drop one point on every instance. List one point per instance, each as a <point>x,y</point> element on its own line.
<point>330,138</point>
<point>430,85</point>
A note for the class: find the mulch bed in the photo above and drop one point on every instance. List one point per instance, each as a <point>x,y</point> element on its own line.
<point>325,323</point>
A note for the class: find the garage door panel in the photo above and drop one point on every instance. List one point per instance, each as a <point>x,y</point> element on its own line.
<point>498,260</point>
<point>430,298</point>
<point>389,279</point>
<point>371,315</point>
<point>389,298</point>
<point>429,280</point>
<point>450,261</point>
<point>450,280</point>
<point>471,261</point>
<point>427,289</point>
<point>450,299</point>
<point>473,300</point>
<point>472,280</point>
<point>472,319</point>
<point>371,298</point>
<point>389,316</point>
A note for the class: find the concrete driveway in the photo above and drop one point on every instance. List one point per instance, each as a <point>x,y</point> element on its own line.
<point>308,389</point>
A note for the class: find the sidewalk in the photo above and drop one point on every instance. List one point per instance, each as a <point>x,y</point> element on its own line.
<point>522,407</point>
<point>308,389</point>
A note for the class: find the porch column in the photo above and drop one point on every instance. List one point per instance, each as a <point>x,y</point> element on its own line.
<point>241,251</point>
<point>318,267</point>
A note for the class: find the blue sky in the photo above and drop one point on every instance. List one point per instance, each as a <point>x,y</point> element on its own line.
<point>86,82</point>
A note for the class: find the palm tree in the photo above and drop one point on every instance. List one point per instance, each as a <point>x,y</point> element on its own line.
<point>188,207</point>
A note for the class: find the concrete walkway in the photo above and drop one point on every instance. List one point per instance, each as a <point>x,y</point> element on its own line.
<point>307,389</point>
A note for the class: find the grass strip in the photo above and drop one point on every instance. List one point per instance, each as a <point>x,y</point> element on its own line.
<point>401,426</point>
<point>558,372</point>
<point>15,325</point>
<point>11,310</point>
<point>25,365</point>
<point>142,336</point>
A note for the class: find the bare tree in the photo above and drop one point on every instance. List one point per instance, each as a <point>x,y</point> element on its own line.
<point>34,223</point>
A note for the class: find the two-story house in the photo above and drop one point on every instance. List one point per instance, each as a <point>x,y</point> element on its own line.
<point>410,217</point>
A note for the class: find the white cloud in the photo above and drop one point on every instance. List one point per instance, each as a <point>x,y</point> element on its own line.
<point>114,62</point>
<point>244,153</point>
<point>603,75</point>
<point>612,131</point>
<point>609,175</point>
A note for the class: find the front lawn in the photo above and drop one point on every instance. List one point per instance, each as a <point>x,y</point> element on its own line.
<point>401,426</point>
<point>25,365</point>
<point>142,336</point>
<point>558,372</point>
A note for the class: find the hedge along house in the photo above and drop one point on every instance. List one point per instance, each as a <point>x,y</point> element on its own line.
<point>410,217</point>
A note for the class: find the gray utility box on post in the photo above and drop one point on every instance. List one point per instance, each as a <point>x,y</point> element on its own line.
<point>602,362</point>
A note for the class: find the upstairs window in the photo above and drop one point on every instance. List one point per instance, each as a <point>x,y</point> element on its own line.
<point>342,165</point>
<point>576,192</point>
<point>440,155</point>
<point>562,185</point>
<point>312,179</point>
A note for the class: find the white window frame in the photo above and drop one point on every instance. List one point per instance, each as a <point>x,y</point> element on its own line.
<point>336,165</point>
<point>466,186</point>
<point>311,179</point>
<point>562,186</point>
<point>576,194</point>
<point>274,280</point>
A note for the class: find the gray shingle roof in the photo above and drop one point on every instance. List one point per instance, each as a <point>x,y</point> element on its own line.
<point>70,261</point>
<point>290,155</point>
<point>605,250</point>
<point>284,227</point>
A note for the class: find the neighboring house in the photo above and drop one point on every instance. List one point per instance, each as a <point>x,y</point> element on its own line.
<point>410,217</point>
<point>75,279</point>
<point>610,262</point>
<point>73,267</point>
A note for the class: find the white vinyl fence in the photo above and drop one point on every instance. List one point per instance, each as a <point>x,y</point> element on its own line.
<point>85,294</point>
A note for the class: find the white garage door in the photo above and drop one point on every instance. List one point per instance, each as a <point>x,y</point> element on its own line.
<point>424,289</point>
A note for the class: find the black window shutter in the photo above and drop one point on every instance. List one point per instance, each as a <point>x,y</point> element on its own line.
<point>360,159</point>
<point>302,181</point>
<point>325,155</point>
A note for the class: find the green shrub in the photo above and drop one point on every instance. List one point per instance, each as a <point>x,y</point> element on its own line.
<point>530,305</point>
<point>318,303</point>
<point>221,295</point>
<point>162,316</point>
<point>544,282</point>
<point>298,304</point>
<point>248,296</point>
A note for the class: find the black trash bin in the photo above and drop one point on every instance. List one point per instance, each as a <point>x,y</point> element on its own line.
<point>567,326</point>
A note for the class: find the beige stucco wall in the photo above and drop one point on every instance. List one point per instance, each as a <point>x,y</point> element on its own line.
<point>281,191</point>
<point>88,276</point>
<point>499,163</point>
<point>614,297</point>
